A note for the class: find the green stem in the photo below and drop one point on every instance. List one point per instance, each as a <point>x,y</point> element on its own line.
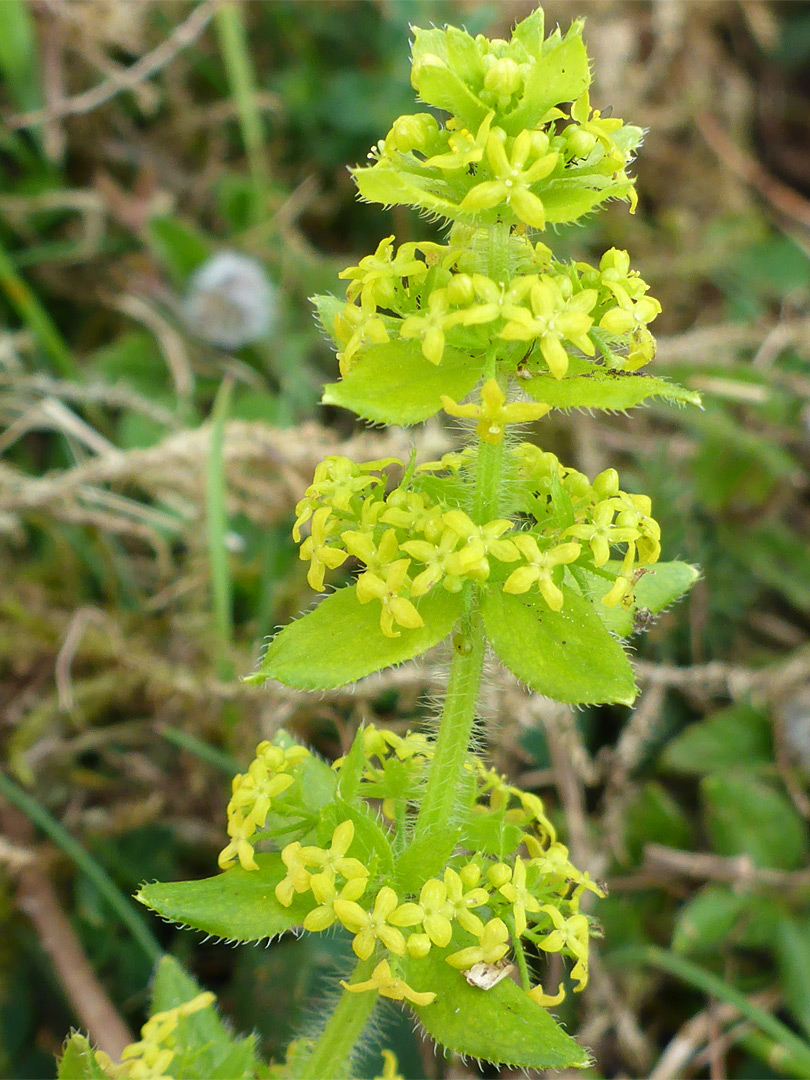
<point>343,1029</point>
<point>453,740</point>
<point>85,863</point>
<point>217,519</point>
<point>716,987</point>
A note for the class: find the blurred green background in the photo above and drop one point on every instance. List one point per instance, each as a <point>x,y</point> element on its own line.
<point>150,460</point>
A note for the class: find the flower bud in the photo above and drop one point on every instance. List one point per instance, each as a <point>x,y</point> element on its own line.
<point>460,290</point>
<point>503,77</point>
<point>414,132</point>
<point>606,483</point>
<point>579,142</point>
<point>499,874</point>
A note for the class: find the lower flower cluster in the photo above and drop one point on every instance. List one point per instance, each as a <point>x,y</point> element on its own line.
<point>411,539</point>
<point>152,1056</point>
<point>508,883</point>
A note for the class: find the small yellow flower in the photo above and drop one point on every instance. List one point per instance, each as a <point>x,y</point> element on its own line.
<point>554,319</point>
<point>538,995</point>
<point>369,927</point>
<point>374,277</point>
<point>570,935</point>
<point>432,911</point>
<point>493,945</point>
<point>540,569</point>
<point>519,896</point>
<point>390,1068</point>
<point>321,555</point>
<point>513,181</point>
<point>323,889</point>
<point>334,860</point>
<point>601,533</point>
<point>297,877</point>
<point>388,589</point>
<point>493,413</point>
<point>431,325</point>
<point>385,983</point>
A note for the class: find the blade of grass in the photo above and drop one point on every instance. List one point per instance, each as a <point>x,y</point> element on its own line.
<point>233,41</point>
<point>85,863</point>
<point>25,303</point>
<point>218,758</point>
<point>217,517</point>
<point>793,1046</point>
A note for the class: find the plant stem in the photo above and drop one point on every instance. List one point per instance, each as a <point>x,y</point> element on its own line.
<point>333,1049</point>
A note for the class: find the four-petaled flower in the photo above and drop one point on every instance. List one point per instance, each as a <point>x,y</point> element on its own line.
<point>334,861</point>
<point>540,569</point>
<point>369,927</point>
<point>554,319</point>
<point>519,896</point>
<point>492,946</point>
<point>601,533</point>
<point>512,183</point>
<point>318,551</point>
<point>386,983</point>
<point>387,587</point>
<point>374,276</point>
<point>324,891</point>
<point>431,325</point>
<point>571,935</point>
<point>493,413</point>
<point>465,148</point>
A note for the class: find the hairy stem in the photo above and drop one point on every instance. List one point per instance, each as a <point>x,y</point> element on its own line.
<point>333,1049</point>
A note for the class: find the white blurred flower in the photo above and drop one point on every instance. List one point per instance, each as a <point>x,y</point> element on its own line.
<point>231,301</point>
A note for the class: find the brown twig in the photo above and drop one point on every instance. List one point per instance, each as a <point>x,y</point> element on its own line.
<point>37,898</point>
<point>148,65</point>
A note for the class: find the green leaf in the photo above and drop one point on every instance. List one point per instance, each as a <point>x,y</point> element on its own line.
<point>341,641</point>
<point>745,815</point>
<point>567,655</point>
<point>425,858</point>
<point>327,307</point>
<point>443,63</point>
<point>601,388</point>
<point>205,1048</point>
<point>394,383</point>
<point>740,735</point>
<point>793,962</point>
<point>180,247</point>
<point>382,183</point>
<point>369,838</point>
<point>660,586</point>
<point>654,817</point>
<point>78,1061</point>
<point>239,905</point>
<point>502,1025</point>
<point>560,74</point>
<point>569,199</point>
<point>706,921</point>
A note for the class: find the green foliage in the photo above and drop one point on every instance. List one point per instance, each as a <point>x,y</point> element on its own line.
<point>747,815</point>
<point>500,1024</point>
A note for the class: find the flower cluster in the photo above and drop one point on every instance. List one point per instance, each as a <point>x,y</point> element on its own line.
<point>271,773</point>
<point>151,1057</point>
<point>509,883</point>
<point>408,542</point>
<point>446,300</point>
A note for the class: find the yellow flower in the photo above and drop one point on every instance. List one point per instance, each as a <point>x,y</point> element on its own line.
<point>321,555</point>
<point>388,589</point>
<point>355,329</point>
<point>432,911</point>
<point>554,319</point>
<point>383,981</point>
<point>601,532</point>
<point>493,413</point>
<point>540,569</point>
<point>431,325</point>
<point>369,927</point>
<point>569,935</point>
<point>465,148</point>
<point>519,896</point>
<point>538,995</point>
<point>390,1070</point>
<point>334,860</point>
<point>492,946</point>
<point>513,181</point>
<point>323,889</point>
<point>297,877</point>
<point>374,276</point>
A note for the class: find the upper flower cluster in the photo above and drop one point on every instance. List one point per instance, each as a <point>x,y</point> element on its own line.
<point>509,150</point>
